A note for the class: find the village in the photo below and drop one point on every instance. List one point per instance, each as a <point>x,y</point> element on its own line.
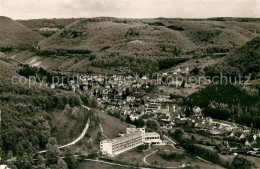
<point>132,99</point>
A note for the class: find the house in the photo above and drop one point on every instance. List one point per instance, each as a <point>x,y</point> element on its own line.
<point>240,151</point>
<point>134,117</point>
<point>180,122</point>
<point>204,127</point>
<point>130,99</point>
<point>242,136</point>
<point>153,107</point>
<point>215,132</point>
<point>222,150</point>
<point>255,137</point>
<point>4,167</point>
<point>152,138</point>
<point>112,147</point>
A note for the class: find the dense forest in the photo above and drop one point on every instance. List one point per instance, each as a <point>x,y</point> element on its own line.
<point>243,61</point>
<point>27,121</point>
<point>228,102</point>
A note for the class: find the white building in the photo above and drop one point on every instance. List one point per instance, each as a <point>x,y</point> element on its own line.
<point>134,137</point>
<point>4,167</point>
<point>130,130</point>
<point>152,138</point>
<point>112,147</point>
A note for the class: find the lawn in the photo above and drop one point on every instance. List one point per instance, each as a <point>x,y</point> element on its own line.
<point>131,157</point>
<point>65,128</point>
<point>111,125</point>
<point>96,165</point>
<point>157,160</point>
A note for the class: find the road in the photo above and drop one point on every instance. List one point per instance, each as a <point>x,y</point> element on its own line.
<point>148,156</point>
<point>77,139</point>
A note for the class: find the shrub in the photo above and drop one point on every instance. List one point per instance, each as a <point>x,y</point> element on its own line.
<point>177,28</point>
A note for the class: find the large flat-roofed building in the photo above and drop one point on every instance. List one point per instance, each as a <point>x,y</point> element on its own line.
<point>112,147</point>
<point>152,138</point>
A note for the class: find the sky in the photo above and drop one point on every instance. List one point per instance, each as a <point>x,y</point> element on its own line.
<point>33,9</point>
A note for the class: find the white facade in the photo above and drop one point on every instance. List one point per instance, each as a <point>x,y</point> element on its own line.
<point>112,147</point>
<point>4,167</point>
<point>152,138</point>
<point>133,129</point>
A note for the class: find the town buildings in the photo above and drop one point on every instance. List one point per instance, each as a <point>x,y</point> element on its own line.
<point>112,147</point>
<point>134,137</point>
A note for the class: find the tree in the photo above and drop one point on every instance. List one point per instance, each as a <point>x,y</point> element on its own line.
<point>241,163</point>
<point>53,153</point>
<point>70,159</point>
<point>60,165</point>
<point>183,84</point>
<point>128,120</point>
<point>152,124</point>
<point>139,122</point>
<point>187,112</point>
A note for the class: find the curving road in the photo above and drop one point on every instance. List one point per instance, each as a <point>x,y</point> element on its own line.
<point>77,139</point>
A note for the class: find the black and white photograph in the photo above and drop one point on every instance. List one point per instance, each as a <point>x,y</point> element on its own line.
<point>129,84</point>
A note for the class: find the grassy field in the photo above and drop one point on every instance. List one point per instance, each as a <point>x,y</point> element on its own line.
<point>111,125</point>
<point>156,159</point>
<point>66,129</point>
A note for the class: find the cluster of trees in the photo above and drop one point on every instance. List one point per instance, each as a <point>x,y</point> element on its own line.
<point>172,156</point>
<point>156,23</point>
<point>195,150</point>
<point>71,34</point>
<point>228,102</point>
<point>137,122</point>
<point>167,63</point>
<point>143,147</point>
<point>63,52</point>
<point>27,122</point>
<point>174,27</point>
<point>136,64</point>
<point>6,49</point>
<point>207,36</point>
<point>41,74</point>
<point>244,61</point>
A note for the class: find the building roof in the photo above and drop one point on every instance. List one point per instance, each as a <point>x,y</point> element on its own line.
<point>204,126</point>
<point>125,137</point>
<point>181,122</point>
<point>151,134</point>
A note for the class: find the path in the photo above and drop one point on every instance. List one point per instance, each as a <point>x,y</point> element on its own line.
<point>77,139</point>
<point>173,143</point>
<point>156,165</point>
<point>148,156</point>
<point>102,131</point>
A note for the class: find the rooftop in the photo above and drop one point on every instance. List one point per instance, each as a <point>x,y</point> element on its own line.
<point>151,134</point>
<point>125,137</point>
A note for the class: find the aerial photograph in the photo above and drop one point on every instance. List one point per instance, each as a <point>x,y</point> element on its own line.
<point>129,84</point>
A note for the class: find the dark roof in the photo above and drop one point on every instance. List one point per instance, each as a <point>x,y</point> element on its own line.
<point>204,126</point>
<point>181,122</point>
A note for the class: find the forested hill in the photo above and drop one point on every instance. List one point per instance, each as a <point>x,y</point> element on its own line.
<point>26,118</point>
<point>244,61</point>
<point>15,35</point>
<point>229,102</point>
<point>141,45</point>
